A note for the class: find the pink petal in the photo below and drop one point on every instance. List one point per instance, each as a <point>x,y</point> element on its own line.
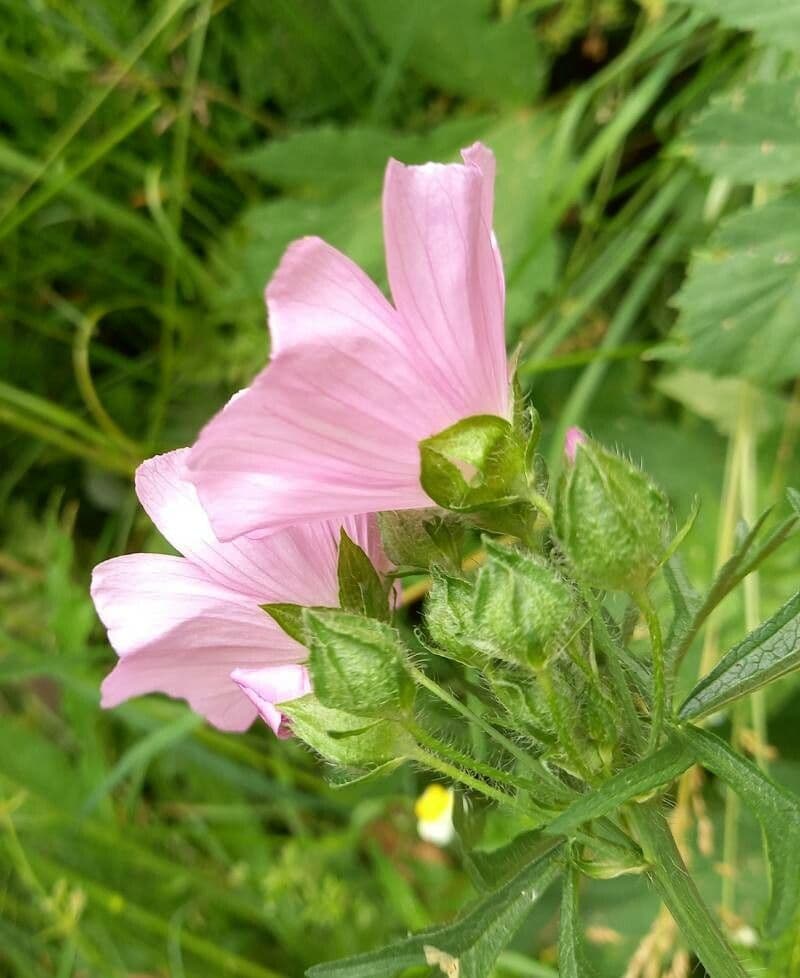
<point>179,633</point>
<point>319,294</point>
<point>319,435</point>
<point>573,438</point>
<point>446,278</point>
<point>332,427</point>
<point>297,564</point>
<point>268,688</point>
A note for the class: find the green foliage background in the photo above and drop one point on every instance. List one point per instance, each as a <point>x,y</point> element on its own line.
<point>155,160</point>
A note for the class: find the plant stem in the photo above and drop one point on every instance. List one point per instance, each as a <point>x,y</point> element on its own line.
<point>748,474</point>
<point>536,768</point>
<point>668,873</point>
<point>659,679</point>
<point>461,777</point>
<point>563,728</point>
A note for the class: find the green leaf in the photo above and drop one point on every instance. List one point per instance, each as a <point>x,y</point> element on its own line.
<point>739,307</point>
<point>639,779</point>
<point>749,555</point>
<point>360,587</point>
<point>329,159</point>
<point>476,463</point>
<point>751,134</point>
<point>489,869</point>
<point>775,22</point>
<point>467,948</point>
<point>718,399</point>
<point>777,809</point>
<point>572,961</point>
<point>686,600</point>
<point>355,663</point>
<point>345,739</point>
<point>766,654</point>
<point>458,46</point>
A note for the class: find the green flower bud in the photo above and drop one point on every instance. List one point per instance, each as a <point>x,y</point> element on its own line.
<point>523,610</point>
<point>355,663</point>
<point>448,616</point>
<point>610,519</point>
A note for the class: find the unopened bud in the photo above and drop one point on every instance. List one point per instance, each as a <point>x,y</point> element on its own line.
<point>610,518</point>
<point>523,611</point>
<point>448,615</point>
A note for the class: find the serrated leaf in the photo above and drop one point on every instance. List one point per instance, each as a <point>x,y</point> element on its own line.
<point>751,134</point>
<point>766,654</point>
<point>329,159</point>
<point>639,779</point>
<point>778,811</point>
<point>572,961</point>
<point>458,46</point>
<point>740,305</point>
<point>775,22</point>
<point>360,587</point>
<point>467,948</point>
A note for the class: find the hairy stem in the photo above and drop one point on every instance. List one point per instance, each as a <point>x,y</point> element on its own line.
<point>659,678</point>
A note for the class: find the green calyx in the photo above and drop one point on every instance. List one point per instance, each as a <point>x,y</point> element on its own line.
<point>611,520</point>
<point>523,611</point>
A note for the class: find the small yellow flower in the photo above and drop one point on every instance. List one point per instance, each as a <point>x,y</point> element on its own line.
<point>434,811</point>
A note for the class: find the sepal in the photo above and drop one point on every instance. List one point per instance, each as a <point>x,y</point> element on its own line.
<point>356,664</point>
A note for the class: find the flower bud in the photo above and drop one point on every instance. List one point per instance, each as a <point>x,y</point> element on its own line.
<point>610,519</point>
<point>448,615</point>
<point>523,610</point>
<point>355,663</point>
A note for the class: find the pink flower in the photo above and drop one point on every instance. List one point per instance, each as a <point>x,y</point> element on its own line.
<point>192,627</point>
<point>269,687</point>
<point>574,438</point>
<point>331,427</point>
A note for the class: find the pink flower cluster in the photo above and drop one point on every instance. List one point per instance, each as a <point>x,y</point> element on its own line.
<point>326,436</point>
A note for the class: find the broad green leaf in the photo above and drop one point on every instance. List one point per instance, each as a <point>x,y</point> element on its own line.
<point>775,22</point>
<point>751,134</point>
<point>360,587</point>
<point>766,654</point>
<point>461,47</point>
<point>639,779</point>
<point>572,961</point>
<point>467,948</point>
<point>718,399</point>
<point>740,305</point>
<point>777,809</point>
<point>355,663</point>
<point>329,159</point>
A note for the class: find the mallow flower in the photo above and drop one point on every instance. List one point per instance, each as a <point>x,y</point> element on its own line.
<point>332,426</point>
<point>192,626</point>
